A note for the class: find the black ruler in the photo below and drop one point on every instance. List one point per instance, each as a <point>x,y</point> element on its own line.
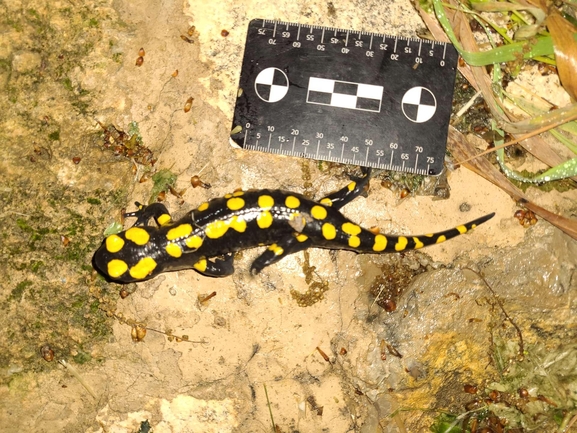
<point>345,96</point>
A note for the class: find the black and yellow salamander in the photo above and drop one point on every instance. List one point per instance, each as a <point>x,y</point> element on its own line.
<point>206,237</point>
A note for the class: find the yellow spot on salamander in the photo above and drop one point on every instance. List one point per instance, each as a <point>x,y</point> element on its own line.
<point>329,231</point>
<point>116,268</point>
<point>354,241</point>
<point>114,243</point>
<point>200,265</point>
<point>216,229</point>
<point>441,238</point>
<point>143,268</point>
<point>401,243</point>
<point>193,242</point>
<point>228,195</point>
<point>318,212</point>
<point>302,238</point>
<point>326,201</point>
<point>351,229</point>
<point>203,207</point>
<point>418,243</point>
<point>264,219</point>
<point>174,250</point>
<point>461,229</point>
<point>238,223</point>
<point>265,202</point>
<point>179,232</point>
<point>292,202</point>
<point>235,203</point>
<point>137,235</point>
<point>351,186</point>
<point>380,243</point>
<point>276,249</point>
<point>164,219</point>
<point>238,193</point>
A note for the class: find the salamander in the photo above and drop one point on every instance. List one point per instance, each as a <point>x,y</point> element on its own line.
<point>286,222</point>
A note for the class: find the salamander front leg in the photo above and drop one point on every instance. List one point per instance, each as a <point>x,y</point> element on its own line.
<point>345,195</point>
<point>275,252</point>
<point>157,211</point>
<point>218,268</point>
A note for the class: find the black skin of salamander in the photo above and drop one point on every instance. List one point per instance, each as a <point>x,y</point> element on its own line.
<point>285,232</point>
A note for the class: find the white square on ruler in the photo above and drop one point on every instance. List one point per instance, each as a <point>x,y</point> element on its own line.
<point>370,91</point>
<point>343,101</point>
<point>321,85</point>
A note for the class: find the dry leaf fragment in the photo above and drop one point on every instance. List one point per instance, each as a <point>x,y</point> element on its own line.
<point>564,36</point>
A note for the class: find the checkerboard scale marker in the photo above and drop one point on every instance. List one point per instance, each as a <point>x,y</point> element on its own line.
<point>355,96</point>
<point>345,96</point>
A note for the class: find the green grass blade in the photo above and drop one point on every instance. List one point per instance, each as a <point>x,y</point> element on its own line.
<point>564,140</point>
<point>531,109</point>
<point>540,46</point>
<point>561,171</point>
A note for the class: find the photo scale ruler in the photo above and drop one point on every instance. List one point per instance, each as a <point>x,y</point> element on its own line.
<point>345,96</point>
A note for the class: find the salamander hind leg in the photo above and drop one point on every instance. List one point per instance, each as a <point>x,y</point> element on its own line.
<point>275,252</point>
<point>218,268</point>
<point>347,194</point>
<point>144,213</point>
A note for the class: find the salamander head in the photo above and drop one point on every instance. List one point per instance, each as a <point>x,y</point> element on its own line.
<point>129,256</point>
